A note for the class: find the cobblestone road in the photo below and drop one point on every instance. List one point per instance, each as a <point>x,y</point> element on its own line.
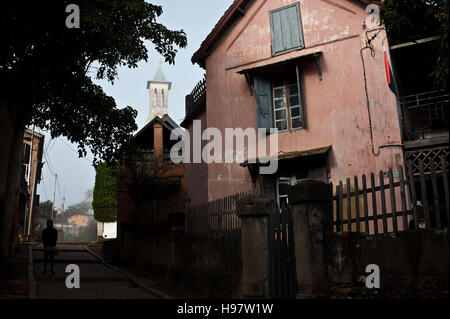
<point>96,280</point>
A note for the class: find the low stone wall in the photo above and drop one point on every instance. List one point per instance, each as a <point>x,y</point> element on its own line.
<point>196,265</point>
<point>413,264</point>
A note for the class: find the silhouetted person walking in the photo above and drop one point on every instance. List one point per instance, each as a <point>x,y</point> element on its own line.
<point>49,238</point>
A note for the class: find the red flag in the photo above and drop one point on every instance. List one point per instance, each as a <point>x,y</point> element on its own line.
<point>389,75</point>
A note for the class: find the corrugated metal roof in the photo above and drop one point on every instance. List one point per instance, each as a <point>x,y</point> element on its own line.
<point>287,155</point>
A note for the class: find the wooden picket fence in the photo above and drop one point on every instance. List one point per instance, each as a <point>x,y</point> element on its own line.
<point>216,216</point>
<point>388,206</point>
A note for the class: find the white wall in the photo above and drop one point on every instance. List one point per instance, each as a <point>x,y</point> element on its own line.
<point>109,230</point>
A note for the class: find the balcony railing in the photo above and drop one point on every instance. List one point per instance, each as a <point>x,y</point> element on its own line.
<point>197,97</point>
<point>425,113</point>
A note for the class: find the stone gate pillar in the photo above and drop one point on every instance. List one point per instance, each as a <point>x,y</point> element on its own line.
<point>312,219</point>
<point>254,212</point>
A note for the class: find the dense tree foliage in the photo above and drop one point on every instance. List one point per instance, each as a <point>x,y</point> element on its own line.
<point>105,198</point>
<point>45,209</point>
<point>411,20</point>
<point>46,68</point>
<point>81,208</point>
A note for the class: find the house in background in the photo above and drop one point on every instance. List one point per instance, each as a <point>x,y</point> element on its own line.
<point>149,185</point>
<point>28,204</point>
<point>78,220</point>
<point>312,70</point>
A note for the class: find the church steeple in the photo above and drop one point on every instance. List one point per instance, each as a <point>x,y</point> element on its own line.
<point>159,95</point>
<point>159,76</point>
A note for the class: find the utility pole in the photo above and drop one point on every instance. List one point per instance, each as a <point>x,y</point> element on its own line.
<point>64,200</point>
<point>62,221</point>
<point>54,196</point>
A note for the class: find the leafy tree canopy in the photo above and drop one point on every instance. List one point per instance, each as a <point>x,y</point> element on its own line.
<point>81,208</point>
<point>411,20</point>
<point>45,67</point>
<point>45,209</point>
<point>105,198</point>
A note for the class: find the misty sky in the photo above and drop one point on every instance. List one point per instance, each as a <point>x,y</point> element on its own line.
<point>76,175</point>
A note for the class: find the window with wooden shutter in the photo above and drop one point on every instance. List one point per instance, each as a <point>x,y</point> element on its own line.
<point>287,101</point>
<point>286,29</point>
<point>262,88</point>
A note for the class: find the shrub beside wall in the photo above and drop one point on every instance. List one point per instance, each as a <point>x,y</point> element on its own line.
<point>105,200</point>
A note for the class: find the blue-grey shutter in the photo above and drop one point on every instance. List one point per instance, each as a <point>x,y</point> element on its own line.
<point>264,118</point>
<point>286,28</point>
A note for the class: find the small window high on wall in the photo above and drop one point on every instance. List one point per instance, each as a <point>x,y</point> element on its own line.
<point>162,98</point>
<point>286,29</point>
<point>155,98</point>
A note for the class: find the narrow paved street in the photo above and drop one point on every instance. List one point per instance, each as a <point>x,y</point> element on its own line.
<point>96,279</point>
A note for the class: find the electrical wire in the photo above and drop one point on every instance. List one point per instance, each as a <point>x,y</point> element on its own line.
<point>51,169</point>
<point>58,188</point>
<point>369,46</point>
<point>367,96</point>
<point>45,190</point>
<point>85,158</point>
<point>49,150</point>
<point>49,165</point>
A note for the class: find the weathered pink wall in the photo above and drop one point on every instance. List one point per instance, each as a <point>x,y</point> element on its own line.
<point>336,111</point>
<point>196,174</point>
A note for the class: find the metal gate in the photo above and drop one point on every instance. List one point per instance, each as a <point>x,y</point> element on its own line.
<point>282,275</point>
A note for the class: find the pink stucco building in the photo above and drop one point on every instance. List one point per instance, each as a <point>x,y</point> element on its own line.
<point>315,70</point>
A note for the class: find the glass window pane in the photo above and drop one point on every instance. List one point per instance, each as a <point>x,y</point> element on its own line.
<point>279,81</point>
<point>295,111</point>
<point>279,92</point>
<point>281,114</point>
<point>280,103</point>
<point>296,123</point>
<point>293,89</point>
<point>281,125</point>
<point>293,100</point>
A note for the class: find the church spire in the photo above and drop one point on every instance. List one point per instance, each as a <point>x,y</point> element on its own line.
<point>159,76</point>
<point>159,94</point>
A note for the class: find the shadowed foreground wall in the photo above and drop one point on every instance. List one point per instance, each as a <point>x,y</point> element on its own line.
<point>413,264</point>
<point>196,265</point>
